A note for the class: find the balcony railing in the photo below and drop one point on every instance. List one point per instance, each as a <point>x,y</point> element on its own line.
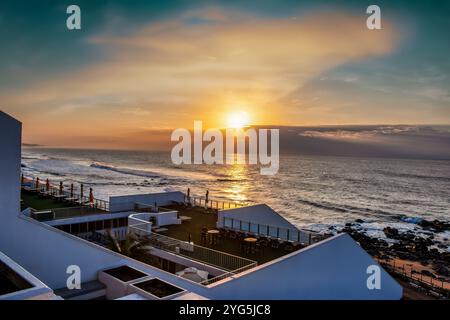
<point>54,191</point>
<point>226,275</point>
<point>64,213</point>
<point>214,203</point>
<point>231,264</point>
<point>280,233</point>
<point>144,207</point>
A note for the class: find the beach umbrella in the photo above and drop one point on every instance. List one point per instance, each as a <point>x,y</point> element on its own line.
<point>61,188</point>
<point>47,185</point>
<point>189,195</point>
<point>71,190</point>
<point>193,274</point>
<point>81,192</point>
<point>207,197</point>
<point>91,196</point>
<point>37,183</point>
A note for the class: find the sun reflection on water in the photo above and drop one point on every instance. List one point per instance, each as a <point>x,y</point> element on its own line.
<point>236,187</point>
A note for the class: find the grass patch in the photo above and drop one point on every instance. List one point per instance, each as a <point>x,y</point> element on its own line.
<point>32,200</point>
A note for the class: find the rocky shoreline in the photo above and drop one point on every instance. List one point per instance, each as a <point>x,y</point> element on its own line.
<point>408,245</point>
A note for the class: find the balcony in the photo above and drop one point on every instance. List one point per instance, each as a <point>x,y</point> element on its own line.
<point>49,202</point>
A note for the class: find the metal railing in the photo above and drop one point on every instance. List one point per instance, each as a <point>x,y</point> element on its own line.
<point>214,203</point>
<point>64,213</point>
<point>54,191</point>
<point>227,275</point>
<point>214,258</point>
<point>99,236</point>
<point>429,284</point>
<point>280,233</point>
<point>144,207</point>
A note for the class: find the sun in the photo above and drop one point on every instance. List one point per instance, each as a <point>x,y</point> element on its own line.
<point>238,119</point>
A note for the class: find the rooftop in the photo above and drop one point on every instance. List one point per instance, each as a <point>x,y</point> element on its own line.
<point>207,218</point>
<point>195,229</point>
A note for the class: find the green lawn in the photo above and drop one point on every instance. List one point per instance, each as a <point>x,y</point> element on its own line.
<point>32,200</point>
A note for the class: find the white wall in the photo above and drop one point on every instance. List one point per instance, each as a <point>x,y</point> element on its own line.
<point>88,218</point>
<point>164,218</point>
<point>259,213</point>
<point>332,269</point>
<point>126,203</point>
<point>10,144</point>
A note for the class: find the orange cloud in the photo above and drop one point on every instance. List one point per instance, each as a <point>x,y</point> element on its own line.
<point>174,71</point>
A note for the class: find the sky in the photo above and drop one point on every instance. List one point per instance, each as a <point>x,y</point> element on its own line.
<point>137,69</point>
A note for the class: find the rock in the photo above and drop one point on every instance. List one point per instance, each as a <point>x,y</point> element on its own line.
<point>441,270</point>
<point>390,232</point>
<point>437,225</point>
<point>427,273</point>
<point>359,221</point>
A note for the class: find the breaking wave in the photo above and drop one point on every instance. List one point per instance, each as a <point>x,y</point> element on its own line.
<point>134,172</point>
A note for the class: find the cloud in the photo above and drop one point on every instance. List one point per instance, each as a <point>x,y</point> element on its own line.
<point>358,133</point>
<point>201,58</point>
<point>136,111</point>
<point>420,142</point>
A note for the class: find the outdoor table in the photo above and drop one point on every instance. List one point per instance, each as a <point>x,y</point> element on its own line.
<point>250,241</point>
<point>30,189</point>
<point>213,236</point>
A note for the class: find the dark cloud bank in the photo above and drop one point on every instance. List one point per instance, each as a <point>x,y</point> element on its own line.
<point>411,142</point>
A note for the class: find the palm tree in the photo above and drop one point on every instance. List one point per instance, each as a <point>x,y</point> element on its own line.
<point>132,246</point>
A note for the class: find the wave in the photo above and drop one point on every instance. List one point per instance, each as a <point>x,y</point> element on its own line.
<point>130,171</point>
<point>34,157</point>
<point>348,208</point>
<point>414,176</point>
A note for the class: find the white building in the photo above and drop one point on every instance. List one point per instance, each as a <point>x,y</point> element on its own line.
<point>335,268</point>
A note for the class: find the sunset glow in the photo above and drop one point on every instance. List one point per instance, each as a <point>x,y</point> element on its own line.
<point>228,66</point>
<point>239,119</point>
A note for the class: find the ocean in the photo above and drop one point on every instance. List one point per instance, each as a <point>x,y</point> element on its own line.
<point>313,192</point>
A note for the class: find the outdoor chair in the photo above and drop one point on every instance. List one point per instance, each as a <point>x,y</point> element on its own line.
<point>275,244</point>
<point>288,247</point>
<point>258,247</point>
<point>220,237</point>
<point>203,237</point>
